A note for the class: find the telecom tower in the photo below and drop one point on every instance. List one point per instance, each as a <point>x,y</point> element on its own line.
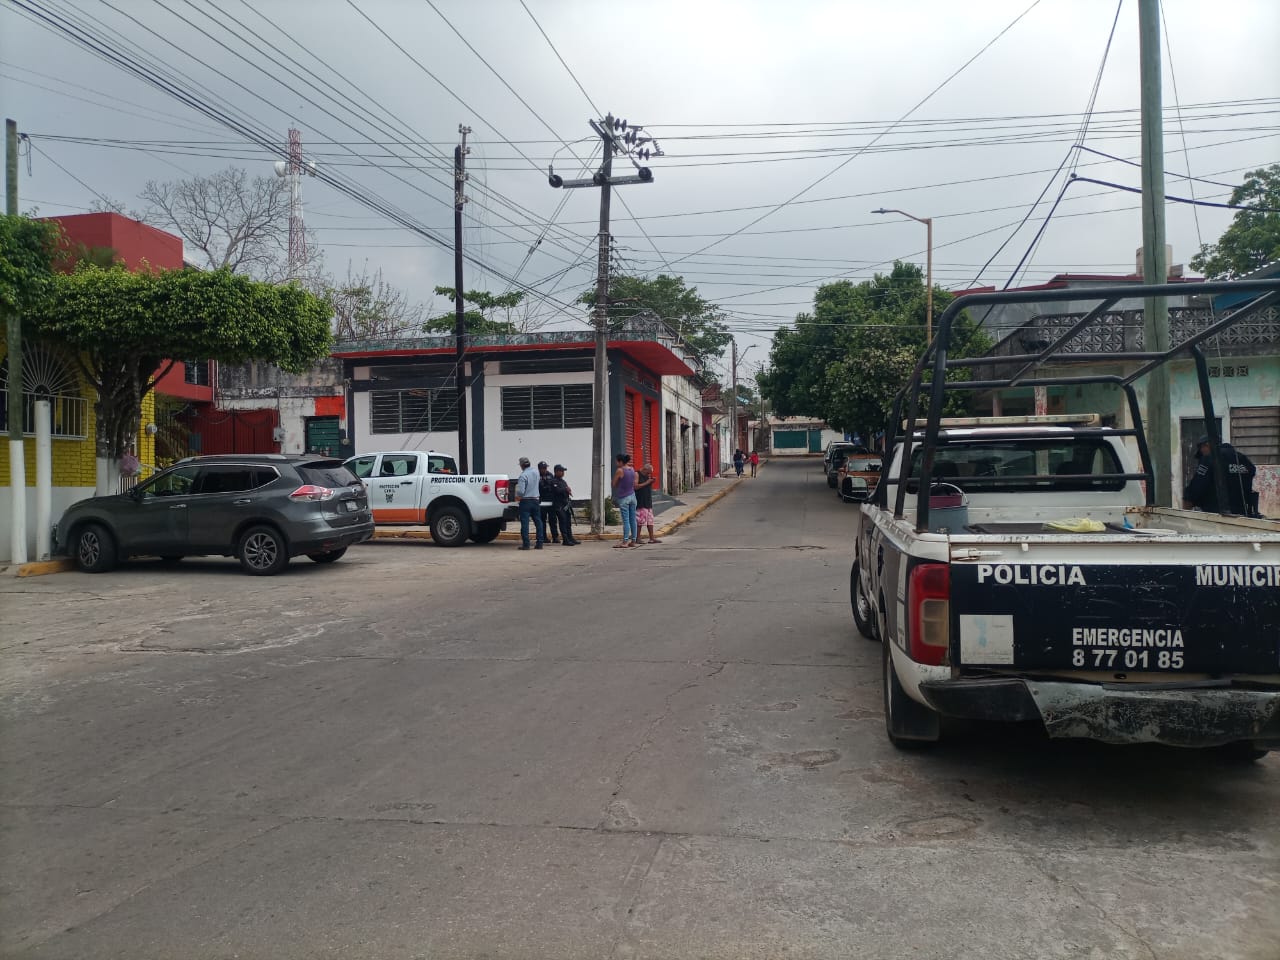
<point>294,168</point>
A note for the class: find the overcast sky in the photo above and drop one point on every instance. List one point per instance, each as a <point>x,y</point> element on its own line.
<point>753,103</point>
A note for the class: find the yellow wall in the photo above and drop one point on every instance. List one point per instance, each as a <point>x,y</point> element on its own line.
<point>74,460</point>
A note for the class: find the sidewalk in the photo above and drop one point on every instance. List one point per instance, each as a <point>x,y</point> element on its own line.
<point>670,513</point>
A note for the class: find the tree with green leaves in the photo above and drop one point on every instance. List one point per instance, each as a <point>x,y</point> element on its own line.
<point>125,329</point>
<point>698,322</point>
<point>845,361</point>
<point>1253,239</point>
<point>483,319</point>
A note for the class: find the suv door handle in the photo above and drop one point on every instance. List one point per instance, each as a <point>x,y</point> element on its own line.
<point>241,503</point>
<point>406,483</point>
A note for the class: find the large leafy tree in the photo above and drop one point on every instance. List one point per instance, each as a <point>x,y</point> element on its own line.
<point>123,327</point>
<point>698,322</point>
<point>490,314</point>
<point>845,361</point>
<point>1253,239</point>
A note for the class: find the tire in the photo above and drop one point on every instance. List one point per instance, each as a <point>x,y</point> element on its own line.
<point>909,725</point>
<point>94,549</point>
<point>328,557</point>
<point>487,531</point>
<point>262,551</point>
<point>864,616</point>
<point>171,560</point>
<point>450,527</point>
<point>831,481</point>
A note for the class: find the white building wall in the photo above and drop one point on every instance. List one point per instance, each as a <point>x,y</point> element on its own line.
<point>504,448</point>
<point>681,397</point>
<point>62,498</point>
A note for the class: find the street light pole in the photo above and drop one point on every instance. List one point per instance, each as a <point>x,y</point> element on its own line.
<point>928,223</point>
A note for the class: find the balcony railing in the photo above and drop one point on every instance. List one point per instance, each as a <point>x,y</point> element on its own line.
<point>69,415</point>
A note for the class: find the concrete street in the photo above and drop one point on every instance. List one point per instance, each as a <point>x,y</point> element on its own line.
<point>670,752</point>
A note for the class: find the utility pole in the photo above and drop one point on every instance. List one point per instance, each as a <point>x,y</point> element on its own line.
<point>733,397</point>
<point>460,326</point>
<point>17,460</point>
<point>1155,269</point>
<point>616,136</point>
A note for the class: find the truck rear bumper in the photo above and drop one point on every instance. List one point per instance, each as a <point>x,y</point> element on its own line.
<point>1183,718</point>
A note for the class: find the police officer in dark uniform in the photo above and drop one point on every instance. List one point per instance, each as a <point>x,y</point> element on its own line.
<point>548,503</point>
<point>561,508</point>
<point>1239,472</point>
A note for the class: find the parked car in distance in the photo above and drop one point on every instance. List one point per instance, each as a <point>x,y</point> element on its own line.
<point>838,457</point>
<point>837,446</point>
<point>262,509</point>
<point>857,478</point>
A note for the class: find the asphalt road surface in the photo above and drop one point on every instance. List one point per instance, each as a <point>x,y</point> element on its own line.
<point>670,752</point>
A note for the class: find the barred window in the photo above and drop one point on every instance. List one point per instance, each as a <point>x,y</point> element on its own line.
<point>412,411</point>
<point>546,407</point>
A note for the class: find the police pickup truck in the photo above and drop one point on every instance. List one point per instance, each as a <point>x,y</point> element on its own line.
<point>424,487</point>
<point>1019,569</point>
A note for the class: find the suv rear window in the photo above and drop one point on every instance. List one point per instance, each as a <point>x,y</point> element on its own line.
<point>327,473</point>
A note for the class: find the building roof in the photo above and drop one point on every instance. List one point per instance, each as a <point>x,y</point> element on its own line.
<point>655,355</point>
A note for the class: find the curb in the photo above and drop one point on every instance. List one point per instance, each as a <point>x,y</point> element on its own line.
<point>40,568</point>
<point>512,536</point>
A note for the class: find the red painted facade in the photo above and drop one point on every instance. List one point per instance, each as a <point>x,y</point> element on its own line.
<point>138,247</point>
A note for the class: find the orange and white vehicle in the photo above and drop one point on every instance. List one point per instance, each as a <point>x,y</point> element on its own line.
<point>424,487</point>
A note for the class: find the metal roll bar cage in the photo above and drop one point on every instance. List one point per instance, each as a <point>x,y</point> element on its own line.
<point>937,363</point>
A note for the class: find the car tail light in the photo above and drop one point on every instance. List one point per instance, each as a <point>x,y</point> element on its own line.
<point>311,491</point>
<point>503,490</point>
<point>928,598</point>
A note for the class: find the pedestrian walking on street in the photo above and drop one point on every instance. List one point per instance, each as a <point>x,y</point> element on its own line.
<point>645,480</point>
<point>755,461</point>
<point>562,506</point>
<point>550,520</point>
<point>528,495</point>
<point>624,495</point>
<point>739,458</point>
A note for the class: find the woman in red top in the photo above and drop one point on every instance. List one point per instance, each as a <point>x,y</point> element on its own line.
<point>755,462</point>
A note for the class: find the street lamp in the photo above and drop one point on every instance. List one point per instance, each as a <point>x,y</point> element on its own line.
<point>928,222</point>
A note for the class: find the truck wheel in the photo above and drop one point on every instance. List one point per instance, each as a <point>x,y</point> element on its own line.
<point>863,614</point>
<point>450,526</point>
<point>95,548</point>
<point>487,531</point>
<point>262,551</point>
<point>909,725</point>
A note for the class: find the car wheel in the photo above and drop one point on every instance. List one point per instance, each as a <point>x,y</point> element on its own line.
<point>171,559</point>
<point>909,725</point>
<point>95,549</point>
<point>449,527</point>
<point>831,481</point>
<point>262,551</point>
<point>487,532</point>
<point>863,615</point>
<point>328,556</point>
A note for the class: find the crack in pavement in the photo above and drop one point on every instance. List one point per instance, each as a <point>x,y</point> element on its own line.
<point>1103,914</point>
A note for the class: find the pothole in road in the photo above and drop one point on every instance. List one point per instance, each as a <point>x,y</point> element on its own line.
<point>946,825</point>
<point>805,759</point>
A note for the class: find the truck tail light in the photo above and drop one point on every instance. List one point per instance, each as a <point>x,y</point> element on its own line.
<point>311,491</point>
<point>928,598</point>
<point>503,490</point>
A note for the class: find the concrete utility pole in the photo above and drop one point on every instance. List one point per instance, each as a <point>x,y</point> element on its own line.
<point>1155,268</point>
<point>616,136</point>
<point>17,460</point>
<point>733,395</point>
<point>460,326</point>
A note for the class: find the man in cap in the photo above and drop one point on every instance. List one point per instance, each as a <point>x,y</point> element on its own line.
<point>561,494</point>
<point>529,499</point>
<point>1239,472</point>
<point>549,518</point>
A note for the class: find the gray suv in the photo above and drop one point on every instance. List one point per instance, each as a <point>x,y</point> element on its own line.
<point>260,508</point>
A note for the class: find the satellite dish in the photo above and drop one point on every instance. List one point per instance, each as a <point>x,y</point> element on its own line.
<point>282,168</point>
<point>311,168</point>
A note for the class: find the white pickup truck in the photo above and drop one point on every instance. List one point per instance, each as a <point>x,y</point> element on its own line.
<point>424,487</point>
<point>1032,578</point>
